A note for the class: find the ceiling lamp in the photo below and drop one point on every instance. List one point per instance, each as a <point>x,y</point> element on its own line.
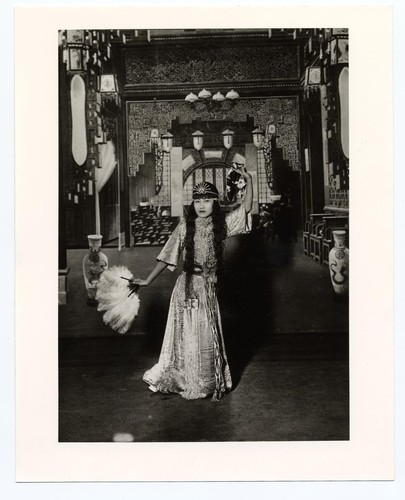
<point>205,101</point>
<point>218,97</point>
<point>204,94</point>
<point>191,98</point>
<point>232,95</point>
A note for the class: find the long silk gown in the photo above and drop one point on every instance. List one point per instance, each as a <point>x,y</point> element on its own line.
<point>193,360</point>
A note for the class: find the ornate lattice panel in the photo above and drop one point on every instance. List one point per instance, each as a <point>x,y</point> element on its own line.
<point>163,198</point>
<point>188,190</point>
<point>264,190</point>
<point>145,116</point>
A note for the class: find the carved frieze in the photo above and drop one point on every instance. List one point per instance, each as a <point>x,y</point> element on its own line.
<point>181,64</point>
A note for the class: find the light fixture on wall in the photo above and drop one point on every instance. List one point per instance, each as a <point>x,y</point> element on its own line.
<point>262,138</point>
<point>217,102</point>
<point>161,141</point>
<point>154,137</point>
<point>258,137</point>
<point>198,140</point>
<point>167,142</point>
<point>227,136</point>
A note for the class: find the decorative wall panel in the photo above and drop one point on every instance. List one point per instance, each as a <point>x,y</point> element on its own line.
<point>163,198</point>
<point>146,115</point>
<point>264,190</point>
<point>186,64</point>
<point>220,182</point>
<point>208,175</point>
<point>188,191</point>
<point>338,166</point>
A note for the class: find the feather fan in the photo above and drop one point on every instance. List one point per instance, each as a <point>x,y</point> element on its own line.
<point>117,297</point>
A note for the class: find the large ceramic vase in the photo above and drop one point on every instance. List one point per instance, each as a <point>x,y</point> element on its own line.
<point>339,264</point>
<point>94,264</point>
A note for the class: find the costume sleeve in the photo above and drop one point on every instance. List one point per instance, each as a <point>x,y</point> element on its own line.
<point>171,252</point>
<point>238,222</point>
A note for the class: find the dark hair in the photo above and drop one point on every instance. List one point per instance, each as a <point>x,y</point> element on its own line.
<point>219,236</point>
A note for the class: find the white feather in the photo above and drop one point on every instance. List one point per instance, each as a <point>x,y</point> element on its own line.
<point>119,308</point>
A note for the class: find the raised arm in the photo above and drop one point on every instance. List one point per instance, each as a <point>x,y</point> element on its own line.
<point>248,201</point>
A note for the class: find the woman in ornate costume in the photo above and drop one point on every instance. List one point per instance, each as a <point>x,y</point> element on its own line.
<point>193,360</point>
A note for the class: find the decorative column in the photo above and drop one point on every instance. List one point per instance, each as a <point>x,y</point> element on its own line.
<point>176,161</point>
<point>263,141</point>
<point>325,142</point>
<point>251,167</point>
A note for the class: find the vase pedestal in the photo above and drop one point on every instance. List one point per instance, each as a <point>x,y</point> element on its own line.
<point>62,286</point>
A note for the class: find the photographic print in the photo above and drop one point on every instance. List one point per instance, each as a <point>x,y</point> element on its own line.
<point>210,299</point>
<point>203,235</point>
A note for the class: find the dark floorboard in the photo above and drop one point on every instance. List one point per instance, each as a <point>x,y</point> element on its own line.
<point>288,391</point>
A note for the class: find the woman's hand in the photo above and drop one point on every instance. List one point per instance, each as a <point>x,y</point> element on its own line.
<point>240,169</point>
<point>140,282</point>
<point>159,267</point>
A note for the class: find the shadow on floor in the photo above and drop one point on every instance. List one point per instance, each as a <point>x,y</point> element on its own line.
<point>247,303</point>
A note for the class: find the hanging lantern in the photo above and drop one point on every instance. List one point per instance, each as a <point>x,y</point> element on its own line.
<point>227,136</point>
<point>108,83</point>
<point>258,137</point>
<point>313,76</point>
<point>154,137</point>
<point>167,142</point>
<point>76,50</point>
<point>109,89</point>
<point>76,60</point>
<point>76,36</point>
<point>198,140</point>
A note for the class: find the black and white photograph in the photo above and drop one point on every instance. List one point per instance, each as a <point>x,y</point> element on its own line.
<point>204,235</point>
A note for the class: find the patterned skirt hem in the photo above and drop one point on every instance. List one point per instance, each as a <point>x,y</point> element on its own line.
<point>173,389</point>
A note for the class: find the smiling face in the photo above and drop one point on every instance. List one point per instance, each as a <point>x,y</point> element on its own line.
<point>204,206</point>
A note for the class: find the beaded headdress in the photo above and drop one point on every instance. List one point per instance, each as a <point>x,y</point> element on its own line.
<point>205,190</point>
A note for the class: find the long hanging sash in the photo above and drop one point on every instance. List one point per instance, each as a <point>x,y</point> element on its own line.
<point>220,387</point>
